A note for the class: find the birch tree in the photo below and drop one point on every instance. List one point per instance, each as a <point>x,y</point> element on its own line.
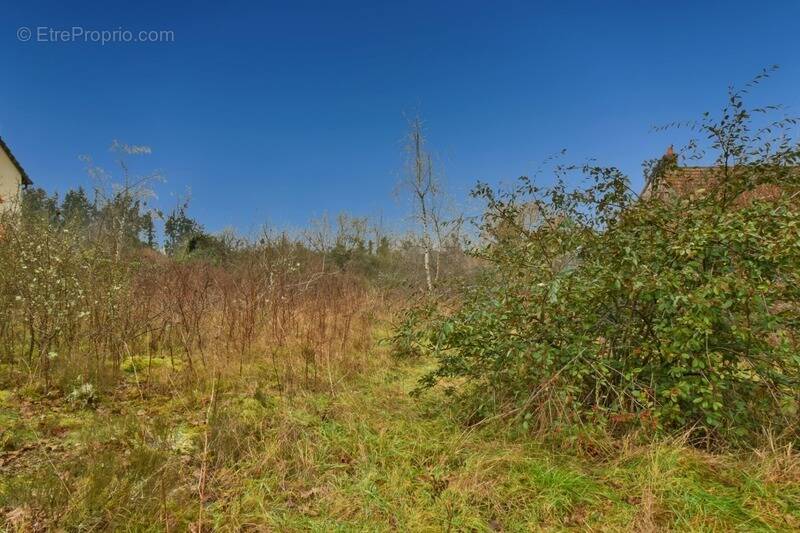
<point>421,182</point>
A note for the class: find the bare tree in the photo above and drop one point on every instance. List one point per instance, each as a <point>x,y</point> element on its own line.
<point>123,211</point>
<point>320,237</point>
<point>422,184</point>
<point>431,207</point>
<point>378,231</point>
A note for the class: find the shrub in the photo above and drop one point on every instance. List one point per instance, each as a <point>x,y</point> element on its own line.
<point>83,395</point>
<point>668,312</point>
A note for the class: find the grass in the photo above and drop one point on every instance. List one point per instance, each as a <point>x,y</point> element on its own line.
<point>368,458</point>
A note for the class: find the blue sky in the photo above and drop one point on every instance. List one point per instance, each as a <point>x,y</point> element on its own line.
<point>273,112</point>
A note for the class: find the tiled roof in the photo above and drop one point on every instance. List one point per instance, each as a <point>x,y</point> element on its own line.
<point>25,179</point>
<point>694,181</point>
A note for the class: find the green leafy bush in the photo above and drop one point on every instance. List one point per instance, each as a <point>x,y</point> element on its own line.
<point>670,312</point>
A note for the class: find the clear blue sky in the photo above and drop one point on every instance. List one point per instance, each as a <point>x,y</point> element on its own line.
<point>276,112</point>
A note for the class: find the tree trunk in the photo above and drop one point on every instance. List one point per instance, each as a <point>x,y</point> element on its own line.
<point>428,269</point>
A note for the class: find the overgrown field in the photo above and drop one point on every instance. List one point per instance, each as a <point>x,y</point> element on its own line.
<point>237,454</point>
<point>597,360</point>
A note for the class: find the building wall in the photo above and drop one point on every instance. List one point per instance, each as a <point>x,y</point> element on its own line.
<point>10,183</point>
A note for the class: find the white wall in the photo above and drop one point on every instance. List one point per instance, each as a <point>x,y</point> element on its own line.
<point>10,183</point>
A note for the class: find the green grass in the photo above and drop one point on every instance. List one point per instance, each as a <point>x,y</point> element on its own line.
<point>368,458</point>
